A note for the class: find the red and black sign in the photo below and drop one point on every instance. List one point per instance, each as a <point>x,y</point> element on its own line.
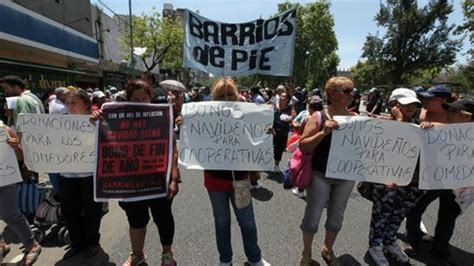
<point>134,151</point>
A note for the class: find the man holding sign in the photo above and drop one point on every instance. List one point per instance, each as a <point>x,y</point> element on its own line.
<point>457,112</point>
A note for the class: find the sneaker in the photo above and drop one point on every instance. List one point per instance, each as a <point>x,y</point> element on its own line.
<point>262,262</point>
<point>134,260</point>
<point>297,192</point>
<point>376,253</point>
<point>257,185</point>
<point>167,259</point>
<point>395,250</point>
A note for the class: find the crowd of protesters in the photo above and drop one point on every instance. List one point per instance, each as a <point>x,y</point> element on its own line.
<point>296,111</point>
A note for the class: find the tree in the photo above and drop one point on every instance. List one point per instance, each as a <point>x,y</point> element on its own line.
<point>416,39</point>
<point>162,38</point>
<point>468,25</point>
<point>425,77</point>
<point>316,44</point>
<point>315,48</point>
<point>366,75</point>
<point>463,76</point>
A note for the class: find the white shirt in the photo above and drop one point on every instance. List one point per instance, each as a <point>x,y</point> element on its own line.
<point>57,106</point>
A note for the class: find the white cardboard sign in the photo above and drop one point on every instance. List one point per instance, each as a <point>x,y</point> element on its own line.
<point>373,150</point>
<point>447,157</point>
<point>57,143</point>
<point>9,170</point>
<point>226,136</point>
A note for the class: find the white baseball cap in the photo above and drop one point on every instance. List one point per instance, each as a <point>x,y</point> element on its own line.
<point>404,96</point>
<point>98,94</point>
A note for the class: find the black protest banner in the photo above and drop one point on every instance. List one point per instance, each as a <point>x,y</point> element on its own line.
<point>228,49</point>
<point>134,151</point>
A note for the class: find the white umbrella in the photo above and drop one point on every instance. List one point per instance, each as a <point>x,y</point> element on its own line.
<point>173,85</point>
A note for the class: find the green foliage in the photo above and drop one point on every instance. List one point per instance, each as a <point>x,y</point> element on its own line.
<point>172,35</point>
<point>163,38</point>
<point>425,77</point>
<point>315,48</point>
<point>468,26</point>
<point>366,75</point>
<point>416,39</point>
<point>316,44</point>
<point>463,77</point>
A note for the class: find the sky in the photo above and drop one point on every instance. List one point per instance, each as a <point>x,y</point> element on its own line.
<point>354,19</point>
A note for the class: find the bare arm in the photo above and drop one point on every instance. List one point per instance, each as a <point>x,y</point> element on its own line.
<point>312,136</point>
<point>14,141</point>
<point>175,175</point>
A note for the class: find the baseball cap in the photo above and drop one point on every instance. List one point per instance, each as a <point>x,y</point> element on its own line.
<point>98,94</point>
<point>404,96</point>
<point>461,105</point>
<point>440,91</point>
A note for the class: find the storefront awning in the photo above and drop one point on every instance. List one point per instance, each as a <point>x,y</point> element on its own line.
<point>20,25</point>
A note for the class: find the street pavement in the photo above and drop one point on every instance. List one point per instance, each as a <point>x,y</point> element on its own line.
<point>278,214</point>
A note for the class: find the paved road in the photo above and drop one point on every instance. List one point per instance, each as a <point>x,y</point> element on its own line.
<point>278,214</point>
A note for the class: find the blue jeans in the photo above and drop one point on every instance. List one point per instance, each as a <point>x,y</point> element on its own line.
<point>221,210</point>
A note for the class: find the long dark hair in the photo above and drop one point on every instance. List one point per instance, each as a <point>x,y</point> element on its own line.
<point>137,84</point>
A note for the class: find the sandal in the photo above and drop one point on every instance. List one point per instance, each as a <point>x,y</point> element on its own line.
<point>306,260</point>
<point>31,256</point>
<point>135,260</point>
<point>167,259</point>
<point>329,257</point>
<point>4,251</point>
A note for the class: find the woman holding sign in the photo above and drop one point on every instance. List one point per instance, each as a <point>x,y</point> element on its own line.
<point>9,210</point>
<point>316,138</point>
<point>81,213</point>
<point>390,202</point>
<point>139,91</point>
<point>232,187</point>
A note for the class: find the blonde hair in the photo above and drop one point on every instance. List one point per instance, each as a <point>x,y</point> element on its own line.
<point>336,83</point>
<point>219,89</point>
<point>280,89</point>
